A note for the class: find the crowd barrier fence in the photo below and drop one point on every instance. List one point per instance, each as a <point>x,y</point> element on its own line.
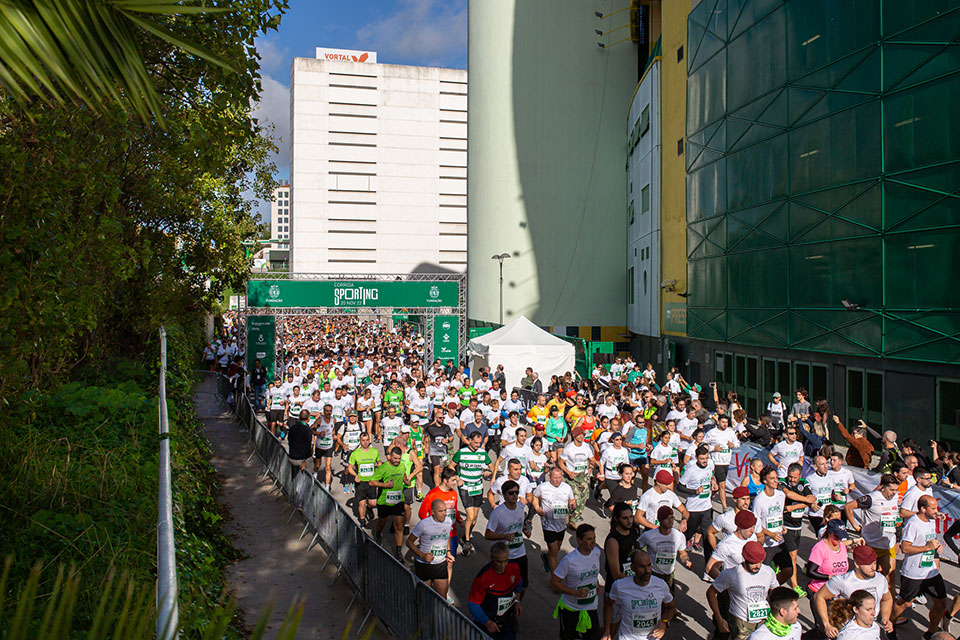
<point>405,604</point>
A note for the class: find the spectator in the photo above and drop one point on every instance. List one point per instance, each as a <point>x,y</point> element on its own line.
<point>889,452</point>
<point>860,451</point>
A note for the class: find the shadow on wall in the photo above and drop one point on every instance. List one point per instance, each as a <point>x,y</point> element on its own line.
<point>426,267</point>
<point>570,102</point>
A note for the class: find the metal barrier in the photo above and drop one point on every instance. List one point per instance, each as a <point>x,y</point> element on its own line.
<point>406,606</point>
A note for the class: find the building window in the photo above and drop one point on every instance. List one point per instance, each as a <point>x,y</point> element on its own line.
<point>630,285</point>
<point>645,120</point>
<point>644,283</point>
<point>644,200</point>
<point>680,147</point>
<point>630,213</point>
<point>680,53</point>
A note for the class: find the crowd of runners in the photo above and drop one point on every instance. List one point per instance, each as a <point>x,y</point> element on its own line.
<point>358,408</point>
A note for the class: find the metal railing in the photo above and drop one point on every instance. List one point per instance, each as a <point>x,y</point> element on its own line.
<point>412,610</point>
<point>168,615</point>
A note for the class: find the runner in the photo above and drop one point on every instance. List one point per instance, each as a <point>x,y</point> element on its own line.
<point>576,460</point>
<point>611,459</point>
<point>438,437</point>
<point>725,523</point>
<point>277,405</point>
<point>508,523</point>
<point>429,542</point>
<point>749,585</point>
<point>797,499</point>
<point>493,600</point>
<point>361,465</point>
<point>664,544</point>
<point>473,464</point>
<point>879,527</point>
<point>620,543</point>
<point>864,576</point>
<point>348,439</point>
<point>768,506</point>
<point>786,452</point>
<point>698,484</point>
<point>324,429</point>
<point>446,490</point>
<point>390,478</point>
<point>517,450</point>
<point>729,553</point>
<point>920,570</point>
<point>639,606</point>
<point>910,505</point>
<point>391,426</point>
<point>821,487</point>
<point>576,579</point>
<point>855,616</point>
<point>657,496</point>
<point>515,474</point>
<point>553,500</point>
<point>781,623</point>
<point>721,441</point>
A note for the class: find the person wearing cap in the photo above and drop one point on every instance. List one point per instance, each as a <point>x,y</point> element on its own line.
<point>828,556</point>
<point>555,433</point>
<point>664,544</point>
<point>657,496</point>
<point>781,623</point>
<point>777,410</point>
<point>639,606</point>
<point>348,440</point>
<point>576,460</point>
<point>638,440</point>
<point>864,576</point>
<point>919,570</point>
<point>729,552</point>
<point>768,506</point>
<point>748,585</point>
<point>724,523</point>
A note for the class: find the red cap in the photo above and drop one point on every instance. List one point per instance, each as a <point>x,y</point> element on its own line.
<point>664,477</point>
<point>863,555</point>
<point>577,431</point>
<point>454,405</point>
<point>745,520</point>
<point>664,512</point>
<point>753,552</point>
<point>740,492</point>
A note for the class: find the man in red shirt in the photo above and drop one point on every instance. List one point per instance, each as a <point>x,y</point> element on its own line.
<point>494,602</point>
<point>446,491</point>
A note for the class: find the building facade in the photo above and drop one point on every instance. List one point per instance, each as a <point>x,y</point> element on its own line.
<point>822,215</point>
<point>378,166</point>
<point>280,216</point>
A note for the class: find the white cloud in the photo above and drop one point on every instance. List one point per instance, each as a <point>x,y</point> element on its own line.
<point>421,31</point>
<point>273,111</point>
<point>273,57</point>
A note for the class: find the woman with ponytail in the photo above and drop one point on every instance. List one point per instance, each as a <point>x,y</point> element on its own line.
<point>854,616</point>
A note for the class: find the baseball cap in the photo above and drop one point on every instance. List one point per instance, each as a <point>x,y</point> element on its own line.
<point>740,492</point>
<point>664,477</point>
<point>753,552</point>
<point>745,520</point>
<point>664,512</point>
<point>453,405</point>
<point>836,528</point>
<point>577,431</point>
<point>776,395</point>
<point>862,554</point>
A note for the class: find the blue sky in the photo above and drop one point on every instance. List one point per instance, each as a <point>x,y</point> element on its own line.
<point>417,32</point>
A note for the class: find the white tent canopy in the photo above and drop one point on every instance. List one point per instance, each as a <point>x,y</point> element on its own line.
<point>519,345</point>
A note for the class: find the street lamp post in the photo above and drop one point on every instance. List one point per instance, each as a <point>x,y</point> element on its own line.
<point>501,257</point>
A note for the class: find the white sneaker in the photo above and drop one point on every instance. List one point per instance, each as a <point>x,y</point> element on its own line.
<point>706,577</point>
<point>920,599</point>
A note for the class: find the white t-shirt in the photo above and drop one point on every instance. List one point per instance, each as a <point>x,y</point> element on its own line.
<point>391,428</point>
<point>350,434</point>
<point>879,528</point>
<point>919,566</point>
<point>853,631</point>
<point>506,520</point>
<point>651,501</point>
<point>686,426</point>
<point>912,497</point>
<point>724,523</point>
<point>661,452</point>
<point>523,454</point>
<point>508,435</point>
<point>786,454</point>
<point>776,410</point>
<point>418,405</point>
<point>698,480</point>
<point>433,538</point>
<point>822,488</point>
<point>769,512</point>
<point>555,501</point>
<point>497,487</point>
<point>748,591</point>
<point>638,609</point>
<point>729,551</point>
<point>841,481</point>
<point>577,457</point>
<point>578,571</point>
<point>843,586</point>
<point>725,438</point>
<point>608,410</point>
<point>662,548</point>
<point>324,431</point>
<point>762,633</point>
<point>611,458</point>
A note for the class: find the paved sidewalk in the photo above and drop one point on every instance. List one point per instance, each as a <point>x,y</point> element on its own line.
<point>277,566</point>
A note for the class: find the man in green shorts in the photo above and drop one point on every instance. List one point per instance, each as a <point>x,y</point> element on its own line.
<point>473,464</point>
<point>362,464</point>
<point>390,478</point>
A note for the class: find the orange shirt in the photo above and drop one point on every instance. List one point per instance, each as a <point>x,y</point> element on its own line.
<point>449,497</point>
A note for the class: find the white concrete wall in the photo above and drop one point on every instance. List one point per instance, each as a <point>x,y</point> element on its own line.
<point>643,235</point>
<point>378,167</point>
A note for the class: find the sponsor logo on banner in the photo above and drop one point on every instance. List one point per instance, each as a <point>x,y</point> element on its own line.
<point>434,292</point>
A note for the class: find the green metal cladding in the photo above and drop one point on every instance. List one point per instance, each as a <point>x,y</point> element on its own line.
<point>823,165</point>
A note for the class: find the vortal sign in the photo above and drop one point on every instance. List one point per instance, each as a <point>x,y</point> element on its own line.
<point>394,294</point>
<point>346,55</point>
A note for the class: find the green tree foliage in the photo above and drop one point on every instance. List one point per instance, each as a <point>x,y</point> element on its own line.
<point>111,225</point>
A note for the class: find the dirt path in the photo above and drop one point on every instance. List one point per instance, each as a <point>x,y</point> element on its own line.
<point>276,564</point>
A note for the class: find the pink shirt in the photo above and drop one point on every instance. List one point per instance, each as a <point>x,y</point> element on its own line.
<point>828,562</point>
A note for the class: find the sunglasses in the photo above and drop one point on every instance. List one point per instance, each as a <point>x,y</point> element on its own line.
<point>512,493</point>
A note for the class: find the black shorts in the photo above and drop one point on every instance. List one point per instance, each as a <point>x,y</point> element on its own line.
<point>387,510</point>
<point>791,539</point>
<point>468,501</point>
<point>426,571</point>
<point>365,491</point>
<point>408,495</point>
<point>720,472</point>
<point>553,536</point>
<point>779,555</point>
<point>322,453</point>
<point>276,415</point>
<point>910,588</point>
<point>524,574</point>
<point>437,461</point>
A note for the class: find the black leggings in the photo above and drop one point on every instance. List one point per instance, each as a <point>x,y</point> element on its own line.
<point>699,521</point>
<point>950,533</point>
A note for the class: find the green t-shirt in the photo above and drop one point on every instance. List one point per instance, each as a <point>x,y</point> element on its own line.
<point>365,462</point>
<point>393,474</point>
<point>471,466</point>
<point>465,394</point>
<point>393,399</point>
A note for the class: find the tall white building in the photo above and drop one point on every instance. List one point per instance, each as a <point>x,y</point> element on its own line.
<point>280,215</point>
<point>378,166</point>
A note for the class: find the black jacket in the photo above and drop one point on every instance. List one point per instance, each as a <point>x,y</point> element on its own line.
<point>301,441</point>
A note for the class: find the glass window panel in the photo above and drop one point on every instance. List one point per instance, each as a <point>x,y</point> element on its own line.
<point>855,388</point>
<point>819,381</point>
<point>875,391</point>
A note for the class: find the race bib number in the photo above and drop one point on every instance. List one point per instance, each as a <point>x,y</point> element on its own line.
<point>474,490</point>
<point>560,512</point>
<point>591,593</point>
<point>367,468</point>
<point>394,497</point>
<point>353,439</point>
<point>517,541</point>
<point>926,559</point>
<point>774,524</point>
<point>579,467</point>
<point>325,442</point>
<point>647,620</point>
<point>704,491</point>
<point>438,552</point>
<point>888,522</point>
<point>664,563</point>
<point>627,571</point>
<point>504,605</point>
<point>757,611</point>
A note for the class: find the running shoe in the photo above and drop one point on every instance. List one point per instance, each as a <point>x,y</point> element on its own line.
<point>419,496</point>
<point>543,559</point>
<point>800,591</point>
<point>706,577</point>
<point>398,555</point>
<point>467,548</point>
<point>920,599</point>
